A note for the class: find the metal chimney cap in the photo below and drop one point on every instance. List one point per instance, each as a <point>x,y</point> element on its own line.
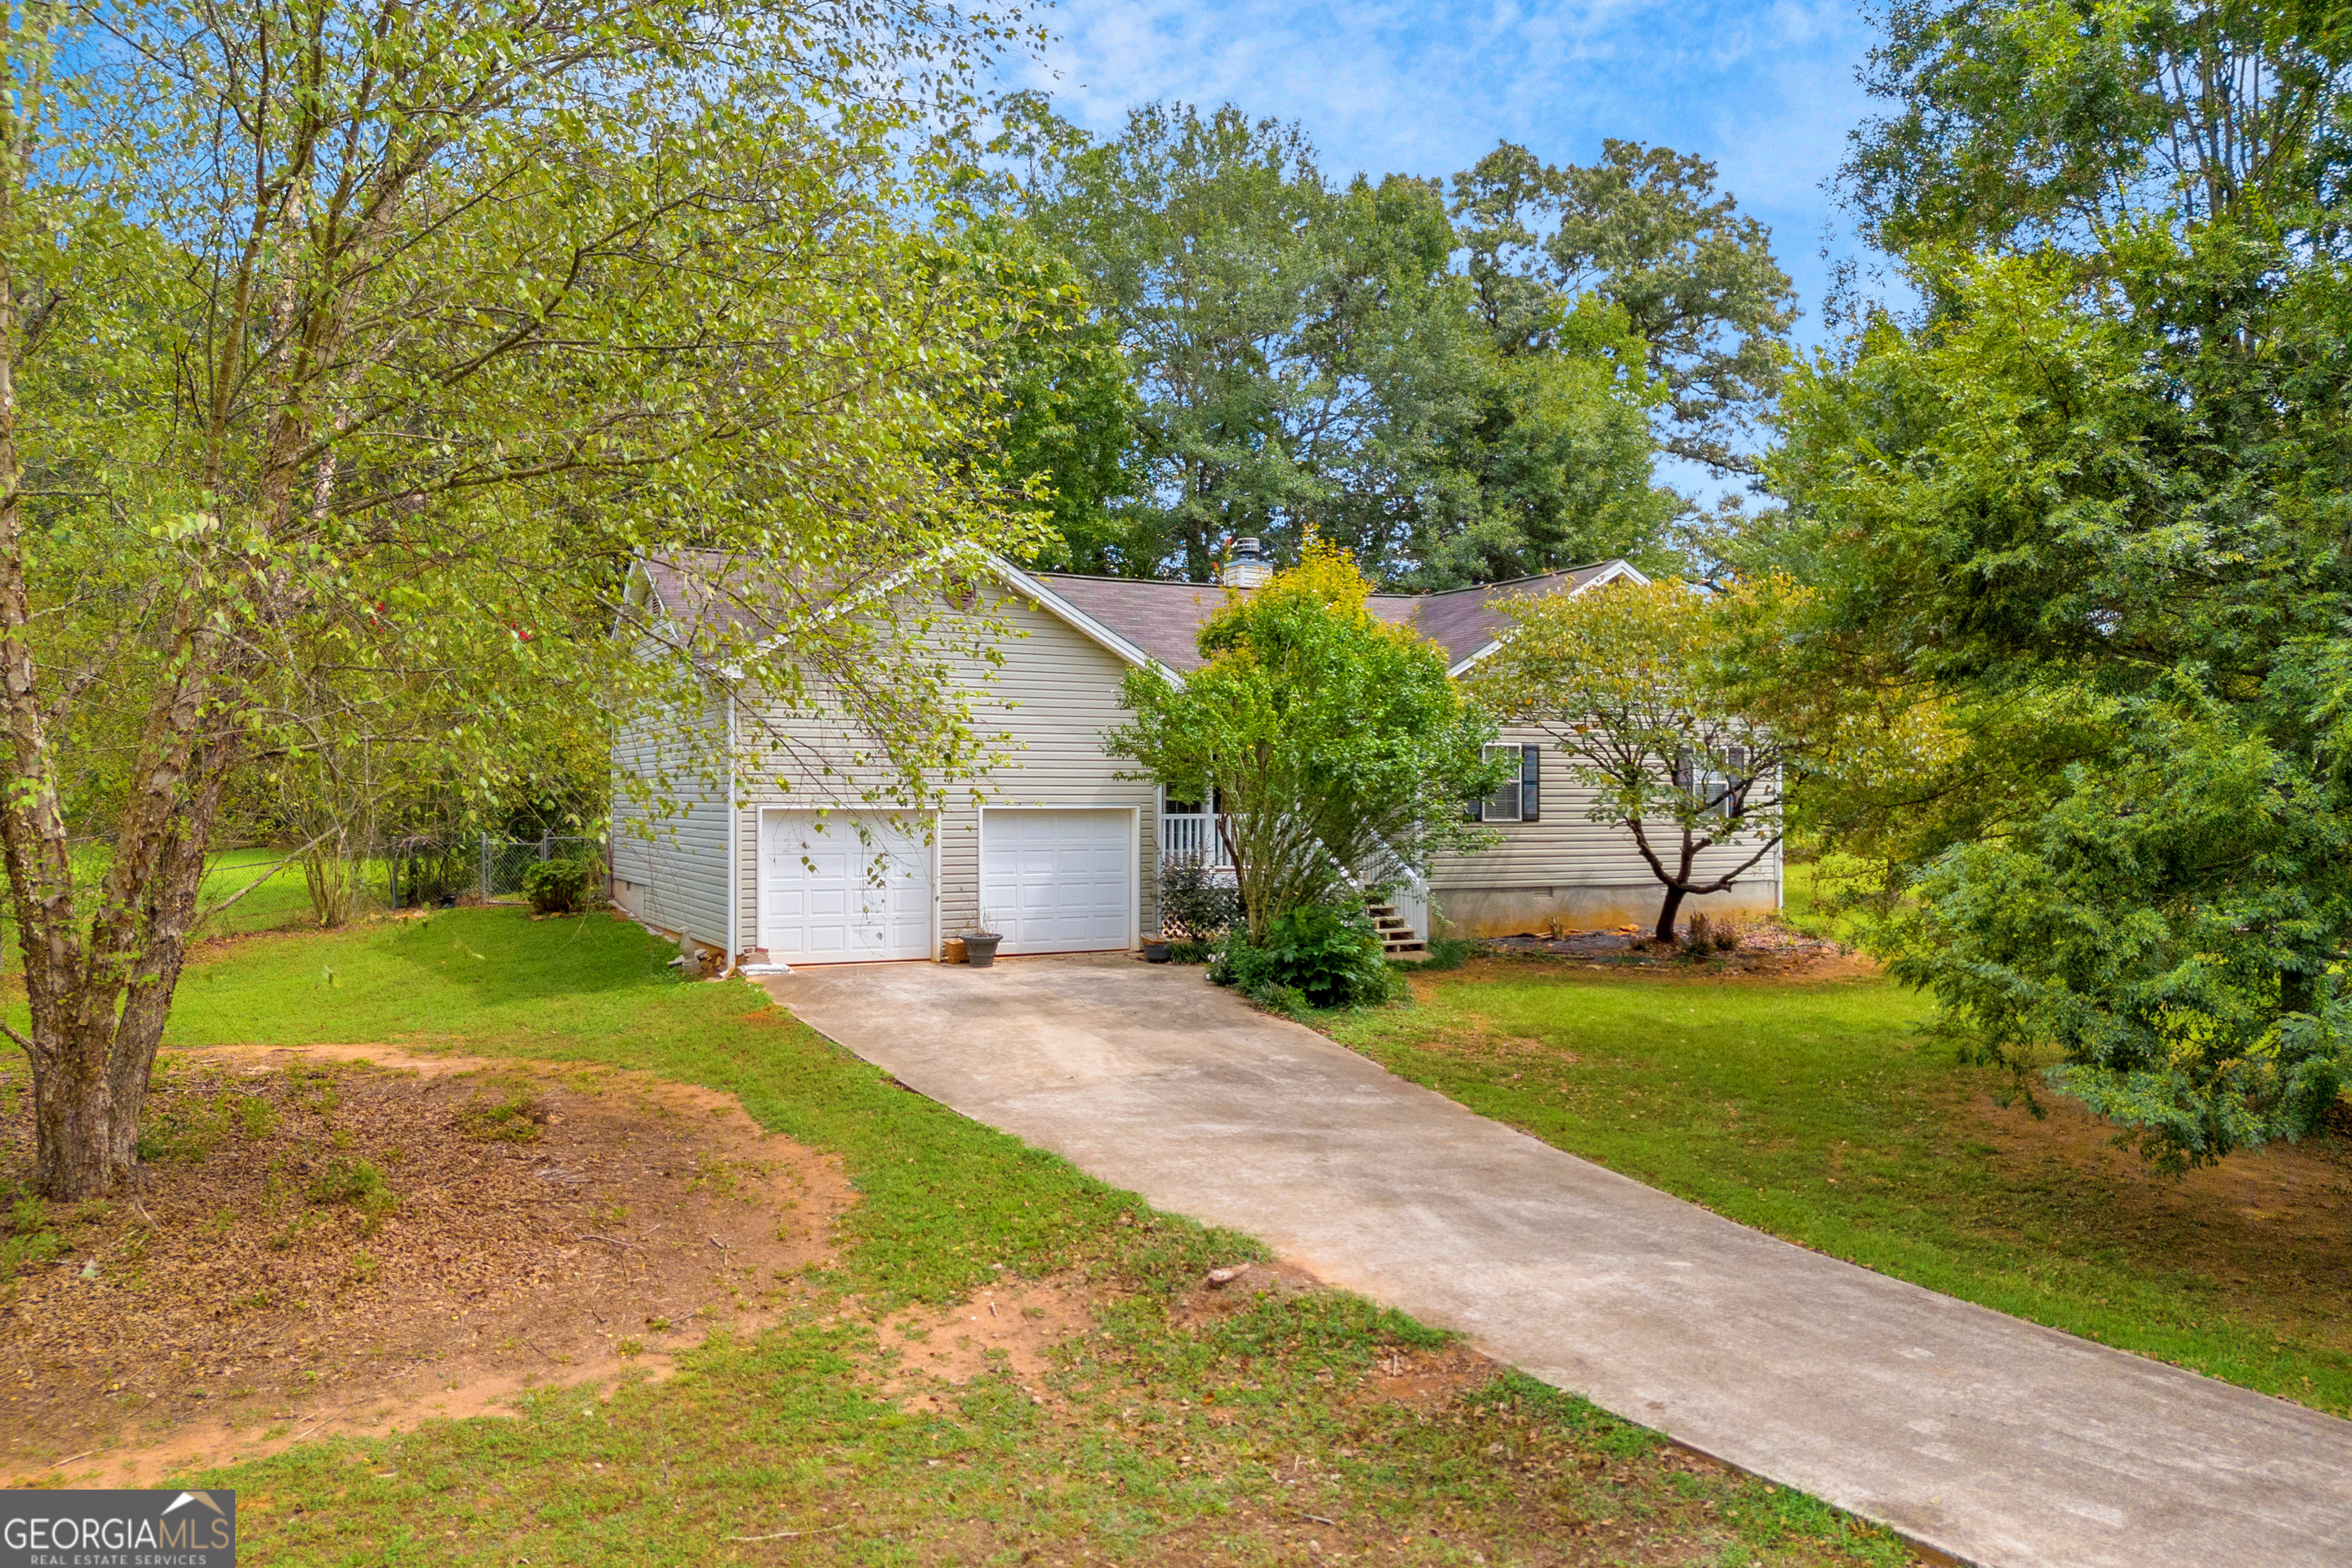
<point>1246,566</point>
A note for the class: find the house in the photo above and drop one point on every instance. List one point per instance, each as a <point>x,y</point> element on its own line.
<point>1058,851</point>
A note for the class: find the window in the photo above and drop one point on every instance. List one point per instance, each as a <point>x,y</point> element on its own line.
<point>1517,799</point>
<point>1173,804</point>
<point>1717,792</point>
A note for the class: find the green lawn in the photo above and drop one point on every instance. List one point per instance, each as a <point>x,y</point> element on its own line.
<point>281,902</point>
<point>1814,1112</point>
<point>1231,1439</point>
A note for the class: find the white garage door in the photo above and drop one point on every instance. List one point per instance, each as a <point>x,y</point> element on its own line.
<point>1058,881</point>
<point>828,895</point>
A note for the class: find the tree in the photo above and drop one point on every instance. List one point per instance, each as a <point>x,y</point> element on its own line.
<point>1335,741</point>
<point>1070,431</point>
<point>1640,688</point>
<point>2123,586</point>
<point>1192,232</point>
<point>403,332</point>
<point>1646,231</point>
<point>1552,469</point>
<point>2033,125</point>
<point>1309,358</point>
<point>2089,502</point>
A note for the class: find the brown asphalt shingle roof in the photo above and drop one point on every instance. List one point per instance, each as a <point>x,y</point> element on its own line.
<point>1164,619</point>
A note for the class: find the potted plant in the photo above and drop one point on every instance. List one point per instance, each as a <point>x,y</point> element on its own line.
<point>980,946</point>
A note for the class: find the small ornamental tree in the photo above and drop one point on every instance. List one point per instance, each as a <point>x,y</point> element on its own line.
<point>1638,685</point>
<point>1332,739</point>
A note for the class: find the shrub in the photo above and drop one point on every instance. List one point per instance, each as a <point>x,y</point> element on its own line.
<point>1697,936</point>
<point>1320,955</point>
<point>1190,950</point>
<point>519,1117</point>
<point>1727,936</point>
<point>563,887</point>
<point>1449,952</point>
<point>359,1183</point>
<point>1195,902</point>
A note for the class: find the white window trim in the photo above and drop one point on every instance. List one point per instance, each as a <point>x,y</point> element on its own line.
<point>1519,797</point>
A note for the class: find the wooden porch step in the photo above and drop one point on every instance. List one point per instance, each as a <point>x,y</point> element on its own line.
<point>1399,940</point>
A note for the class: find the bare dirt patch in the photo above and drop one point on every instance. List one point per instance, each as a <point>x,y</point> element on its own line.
<point>1012,1327</point>
<point>1767,950</point>
<point>1429,1380</point>
<point>354,1239</point>
<point>1235,1288</point>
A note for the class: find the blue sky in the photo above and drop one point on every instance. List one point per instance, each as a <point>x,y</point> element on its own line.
<point>1766,90</point>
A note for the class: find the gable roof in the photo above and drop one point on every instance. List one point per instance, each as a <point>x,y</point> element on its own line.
<point>1164,619</point>
<point>1140,620</point>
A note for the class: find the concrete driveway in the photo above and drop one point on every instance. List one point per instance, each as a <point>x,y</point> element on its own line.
<point>1986,1438</point>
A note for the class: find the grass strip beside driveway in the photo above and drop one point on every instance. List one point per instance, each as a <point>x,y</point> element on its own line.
<point>1814,1112</point>
<point>1250,1435</point>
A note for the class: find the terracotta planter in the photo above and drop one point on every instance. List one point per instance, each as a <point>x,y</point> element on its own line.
<point>980,948</point>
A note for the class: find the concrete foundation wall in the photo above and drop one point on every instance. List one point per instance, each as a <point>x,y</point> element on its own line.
<point>1511,911</point>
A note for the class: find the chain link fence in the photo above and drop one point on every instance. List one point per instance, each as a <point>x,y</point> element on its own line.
<point>427,871</point>
<point>501,862</point>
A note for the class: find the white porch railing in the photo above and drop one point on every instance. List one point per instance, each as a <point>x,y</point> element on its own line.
<point>1409,890</point>
<point>1192,838</point>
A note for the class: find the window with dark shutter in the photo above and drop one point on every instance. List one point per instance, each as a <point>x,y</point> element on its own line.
<point>1503,806</point>
<point>1530,784</point>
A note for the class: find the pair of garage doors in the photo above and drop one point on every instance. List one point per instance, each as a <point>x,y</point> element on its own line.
<point>1050,882</point>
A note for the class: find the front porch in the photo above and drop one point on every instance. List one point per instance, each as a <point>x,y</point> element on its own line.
<point>1193,834</point>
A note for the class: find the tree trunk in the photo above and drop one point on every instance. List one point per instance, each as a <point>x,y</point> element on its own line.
<point>87,1137</point>
<point>1671,906</point>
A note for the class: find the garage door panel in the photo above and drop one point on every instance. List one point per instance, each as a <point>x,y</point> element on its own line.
<point>829,896</point>
<point>1059,881</point>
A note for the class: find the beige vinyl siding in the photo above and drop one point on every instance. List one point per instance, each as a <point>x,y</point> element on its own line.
<point>1573,863</point>
<point>678,869</point>
<point>1055,694</point>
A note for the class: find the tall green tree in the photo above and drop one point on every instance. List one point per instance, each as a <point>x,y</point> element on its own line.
<point>402,333</point>
<point>1646,231</point>
<point>1309,357</point>
<point>1553,467</point>
<point>1070,436</point>
<point>2091,502</point>
<point>2065,125</point>
<point>1194,234</point>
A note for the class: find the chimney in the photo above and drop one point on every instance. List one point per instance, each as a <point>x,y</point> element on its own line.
<point>1247,566</point>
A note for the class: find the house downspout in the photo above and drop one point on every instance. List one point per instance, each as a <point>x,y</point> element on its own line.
<point>734,856</point>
